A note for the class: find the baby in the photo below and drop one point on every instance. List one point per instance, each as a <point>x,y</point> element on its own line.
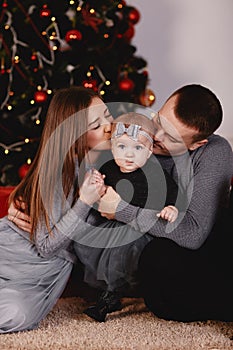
<point>135,174</point>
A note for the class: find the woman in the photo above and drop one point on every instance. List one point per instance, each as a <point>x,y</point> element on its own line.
<point>35,266</point>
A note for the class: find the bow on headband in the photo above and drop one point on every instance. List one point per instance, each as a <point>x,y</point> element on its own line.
<point>132,131</point>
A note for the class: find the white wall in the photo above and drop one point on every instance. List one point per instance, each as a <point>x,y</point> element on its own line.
<point>188,41</point>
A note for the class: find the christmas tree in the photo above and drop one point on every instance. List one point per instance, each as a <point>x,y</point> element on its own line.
<point>49,45</point>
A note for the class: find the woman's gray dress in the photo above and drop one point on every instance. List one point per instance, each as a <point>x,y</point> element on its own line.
<point>33,276</point>
<point>29,284</point>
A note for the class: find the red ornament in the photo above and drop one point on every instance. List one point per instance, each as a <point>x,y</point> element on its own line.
<point>4,5</point>
<point>134,15</point>
<point>145,73</point>
<point>90,84</point>
<point>128,35</point>
<point>23,170</point>
<point>33,57</point>
<point>73,35</point>
<point>40,96</point>
<point>45,12</point>
<point>126,85</point>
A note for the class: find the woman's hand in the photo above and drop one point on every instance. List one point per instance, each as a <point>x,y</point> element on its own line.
<point>18,217</point>
<point>108,203</point>
<point>93,187</point>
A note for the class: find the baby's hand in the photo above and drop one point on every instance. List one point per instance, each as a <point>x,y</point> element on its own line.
<point>93,187</point>
<point>169,213</point>
<point>98,179</point>
<point>96,176</point>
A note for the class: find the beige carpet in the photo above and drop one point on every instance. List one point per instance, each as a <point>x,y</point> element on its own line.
<point>132,328</point>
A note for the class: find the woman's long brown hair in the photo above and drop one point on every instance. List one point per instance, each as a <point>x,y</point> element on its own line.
<point>63,140</point>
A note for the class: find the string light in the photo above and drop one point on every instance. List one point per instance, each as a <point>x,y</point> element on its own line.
<point>2,64</point>
<point>15,146</point>
<point>47,30</point>
<point>16,59</point>
<point>151,98</point>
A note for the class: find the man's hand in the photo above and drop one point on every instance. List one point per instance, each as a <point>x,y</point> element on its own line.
<point>108,203</point>
<point>19,218</point>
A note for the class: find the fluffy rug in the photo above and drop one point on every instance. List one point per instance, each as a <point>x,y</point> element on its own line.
<point>132,328</point>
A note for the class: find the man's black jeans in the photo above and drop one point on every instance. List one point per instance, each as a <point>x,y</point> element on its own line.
<point>189,285</point>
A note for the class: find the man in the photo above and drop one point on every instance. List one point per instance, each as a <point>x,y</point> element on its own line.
<point>185,271</point>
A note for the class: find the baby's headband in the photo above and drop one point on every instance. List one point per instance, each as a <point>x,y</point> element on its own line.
<point>132,131</point>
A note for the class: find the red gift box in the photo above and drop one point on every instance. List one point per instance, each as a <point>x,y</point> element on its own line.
<point>4,194</point>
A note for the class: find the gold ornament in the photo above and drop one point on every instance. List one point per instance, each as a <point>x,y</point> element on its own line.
<point>147,98</point>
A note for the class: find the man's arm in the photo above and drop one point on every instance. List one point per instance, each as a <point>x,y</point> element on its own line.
<point>207,189</point>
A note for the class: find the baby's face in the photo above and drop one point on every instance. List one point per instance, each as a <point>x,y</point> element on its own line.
<point>129,154</point>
